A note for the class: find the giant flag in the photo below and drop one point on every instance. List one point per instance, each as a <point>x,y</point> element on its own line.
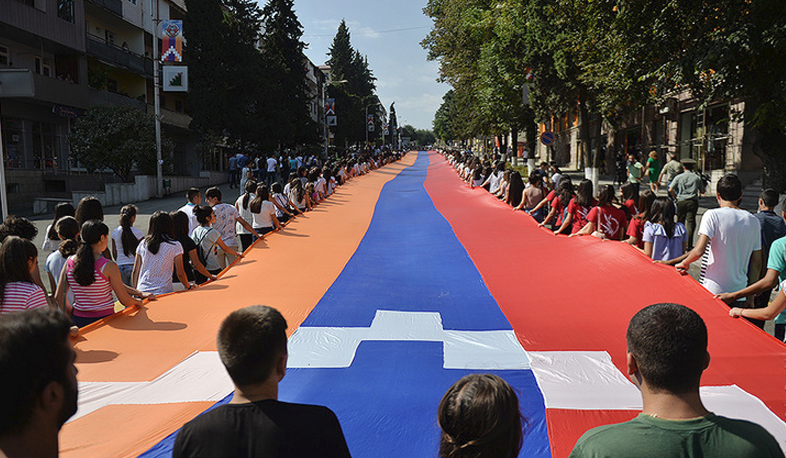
<point>395,287</point>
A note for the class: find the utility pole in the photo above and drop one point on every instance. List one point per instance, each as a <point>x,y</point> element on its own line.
<point>157,102</point>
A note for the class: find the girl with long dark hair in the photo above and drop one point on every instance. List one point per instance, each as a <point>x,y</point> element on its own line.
<point>636,225</point>
<point>558,200</point>
<point>480,418</point>
<point>299,196</point>
<point>533,195</point>
<point>664,239</point>
<point>515,190</point>
<point>578,209</point>
<point>158,256</point>
<point>264,212</point>
<point>93,278</point>
<point>90,208</point>
<point>125,239</point>
<point>51,240</point>
<point>18,292</point>
<point>605,221</point>
<point>67,230</point>
<point>191,262</point>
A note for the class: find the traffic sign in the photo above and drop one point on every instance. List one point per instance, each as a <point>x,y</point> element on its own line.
<point>332,121</point>
<point>547,138</point>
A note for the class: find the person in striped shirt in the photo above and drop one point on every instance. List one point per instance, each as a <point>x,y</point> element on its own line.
<point>93,278</point>
<point>18,291</point>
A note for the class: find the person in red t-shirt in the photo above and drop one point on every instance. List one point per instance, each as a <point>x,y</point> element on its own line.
<point>629,197</point>
<point>605,220</point>
<point>578,208</point>
<point>558,200</point>
<point>636,226</point>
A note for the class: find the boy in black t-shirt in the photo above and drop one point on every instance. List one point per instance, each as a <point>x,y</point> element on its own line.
<point>252,343</point>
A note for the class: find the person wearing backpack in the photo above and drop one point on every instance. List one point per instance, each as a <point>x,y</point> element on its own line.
<point>208,242</point>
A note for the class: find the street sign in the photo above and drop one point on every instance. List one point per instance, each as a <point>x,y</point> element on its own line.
<point>547,138</point>
<point>175,78</point>
<point>332,121</point>
<point>330,107</point>
<point>371,127</point>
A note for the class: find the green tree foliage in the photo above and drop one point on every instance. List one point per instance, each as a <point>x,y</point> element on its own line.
<point>352,98</point>
<point>116,138</point>
<point>418,137</point>
<point>285,63</point>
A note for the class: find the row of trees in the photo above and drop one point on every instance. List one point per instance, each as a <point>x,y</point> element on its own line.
<point>608,57</point>
<point>246,73</point>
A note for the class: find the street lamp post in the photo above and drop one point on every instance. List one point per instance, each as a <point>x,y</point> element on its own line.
<point>324,112</point>
<point>366,119</point>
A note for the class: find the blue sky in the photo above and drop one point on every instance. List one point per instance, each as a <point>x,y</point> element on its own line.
<point>389,33</point>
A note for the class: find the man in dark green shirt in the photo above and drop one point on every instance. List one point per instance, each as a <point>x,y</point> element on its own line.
<point>673,423</point>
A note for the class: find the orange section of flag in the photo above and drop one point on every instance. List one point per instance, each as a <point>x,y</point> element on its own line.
<point>290,270</point>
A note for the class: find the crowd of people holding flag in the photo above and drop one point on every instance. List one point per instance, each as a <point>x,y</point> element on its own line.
<point>743,255</point>
<point>478,416</point>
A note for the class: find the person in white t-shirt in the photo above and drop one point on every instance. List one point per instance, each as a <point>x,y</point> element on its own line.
<point>67,230</point>
<point>729,243</point>
<point>241,205</point>
<point>125,239</point>
<point>227,218</point>
<point>272,165</point>
<point>264,212</point>
<point>158,256</point>
<point>194,198</point>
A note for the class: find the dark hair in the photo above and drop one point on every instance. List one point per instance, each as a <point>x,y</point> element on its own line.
<point>645,204</point>
<point>261,196</point>
<point>662,212</point>
<point>630,192</point>
<point>89,208</point>
<point>249,341</point>
<point>479,416</point>
<point>67,228</point>
<point>535,179</point>
<point>18,226</point>
<point>276,187</point>
<point>34,351</point>
<point>248,189</point>
<point>180,226</point>
<point>688,165</point>
<point>62,209</point>
<point>669,342</point>
<point>85,262</point>
<point>202,213</point>
<point>515,189</point>
<point>770,197</point>
<point>14,254</point>
<point>605,195</point>
<point>297,186</point>
<point>584,193</point>
<point>730,188</point>
<point>192,193</point>
<point>162,230</point>
<point>565,190</point>
<point>213,192</point>
<point>127,237</point>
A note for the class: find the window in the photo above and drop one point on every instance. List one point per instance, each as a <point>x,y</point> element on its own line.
<point>65,10</point>
<point>133,2</point>
<point>110,36</point>
<point>43,66</point>
<point>28,2</point>
<point>5,55</point>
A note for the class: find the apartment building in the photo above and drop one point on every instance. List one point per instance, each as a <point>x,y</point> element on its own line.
<point>80,53</point>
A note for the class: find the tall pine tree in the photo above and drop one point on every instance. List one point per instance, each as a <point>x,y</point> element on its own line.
<point>282,51</point>
<point>352,97</point>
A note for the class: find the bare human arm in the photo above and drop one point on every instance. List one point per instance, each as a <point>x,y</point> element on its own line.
<point>181,271</point>
<point>767,313</point>
<point>194,257</point>
<point>565,224</point>
<point>112,272</point>
<point>224,247</point>
<point>693,254</point>
<point>769,281</point>
<point>247,226</point>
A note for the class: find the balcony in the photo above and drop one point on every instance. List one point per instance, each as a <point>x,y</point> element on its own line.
<point>99,48</point>
<point>113,6</point>
<point>59,92</point>
<point>109,98</point>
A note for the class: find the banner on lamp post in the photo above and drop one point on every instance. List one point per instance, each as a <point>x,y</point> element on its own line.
<point>172,41</point>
